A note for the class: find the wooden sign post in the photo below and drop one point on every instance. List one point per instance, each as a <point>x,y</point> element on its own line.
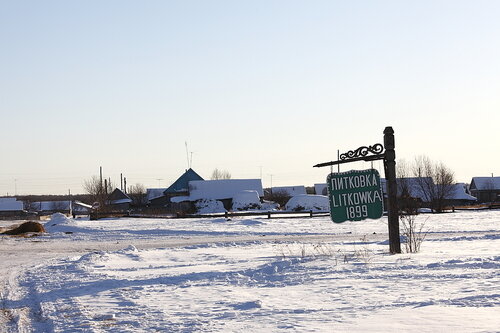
<point>377,153</point>
<point>392,190</point>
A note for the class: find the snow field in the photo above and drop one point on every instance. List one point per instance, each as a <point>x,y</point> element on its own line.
<point>347,283</point>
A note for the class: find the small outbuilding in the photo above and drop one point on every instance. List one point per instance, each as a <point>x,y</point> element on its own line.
<point>119,201</point>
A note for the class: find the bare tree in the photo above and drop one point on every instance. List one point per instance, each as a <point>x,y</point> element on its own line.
<point>409,206</point>
<point>138,195</point>
<point>220,174</point>
<point>413,231</point>
<point>30,205</point>
<point>434,180</point>
<point>281,197</point>
<point>98,190</point>
<point>403,173</point>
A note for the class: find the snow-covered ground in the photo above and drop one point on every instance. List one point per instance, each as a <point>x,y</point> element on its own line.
<point>251,274</point>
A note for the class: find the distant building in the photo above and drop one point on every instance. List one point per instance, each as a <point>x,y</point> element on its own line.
<point>290,190</point>
<point>156,197</point>
<point>412,187</point>
<point>119,200</point>
<point>321,189</point>
<point>459,196</point>
<point>162,198</point>
<point>80,208</point>
<point>223,190</point>
<point>50,207</point>
<point>11,207</point>
<point>181,185</point>
<point>485,189</point>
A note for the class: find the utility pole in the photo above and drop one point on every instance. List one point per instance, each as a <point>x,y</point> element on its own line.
<point>70,202</point>
<point>100,177</point>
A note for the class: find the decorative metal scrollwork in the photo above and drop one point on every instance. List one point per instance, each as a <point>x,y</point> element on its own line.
<point>376,149</point>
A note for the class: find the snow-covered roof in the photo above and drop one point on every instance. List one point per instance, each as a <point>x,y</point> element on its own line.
<point>153,193</point>
<point>222,189</point>
<point>485,183</point>
<point>321,189</point>
<point>10,205</point>
<point>290,190</point>
<point>81,204</point>
<point>458,193</point>
<point>411,184</point>
<point>305,202</point>
<point>49,205</point>
<point>180,198</point>
<point>120,201</point>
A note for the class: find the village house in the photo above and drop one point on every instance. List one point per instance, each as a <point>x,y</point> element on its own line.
<point>118,201</point>
<point>321,189</point>
<point>11,207</point>
<point>49,207</point>
<point>223,190</point>
<point>420,190</point>
<point>161,197</point>
<point>155,197</point>
<point>485,189</point>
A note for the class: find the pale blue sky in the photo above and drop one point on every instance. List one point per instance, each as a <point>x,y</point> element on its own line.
<point>256,86</point>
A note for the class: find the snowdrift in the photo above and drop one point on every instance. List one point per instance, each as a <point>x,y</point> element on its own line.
<point>209,206</point>
<point>308,202</point>
<point>246,200</point>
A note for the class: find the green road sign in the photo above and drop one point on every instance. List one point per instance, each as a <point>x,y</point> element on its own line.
<point>355,195</point>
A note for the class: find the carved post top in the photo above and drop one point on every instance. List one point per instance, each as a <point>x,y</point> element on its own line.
<point>389,138</point>
<point>388,130</point>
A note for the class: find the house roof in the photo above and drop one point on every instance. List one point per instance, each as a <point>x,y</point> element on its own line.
<point>81,204</point>
<point>182,183</point>
<point>153,193</point>
<point>459,193</point>
<point>411,184</point>
<point>290,190</point>
<point>118,197</point>
<point>222,189</point>
<point>485,183</point>
<point>10,205</point>
<point>50,205</point>
<point>321,189</point>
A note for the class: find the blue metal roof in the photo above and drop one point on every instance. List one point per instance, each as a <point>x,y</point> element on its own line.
<point>181,184</point>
